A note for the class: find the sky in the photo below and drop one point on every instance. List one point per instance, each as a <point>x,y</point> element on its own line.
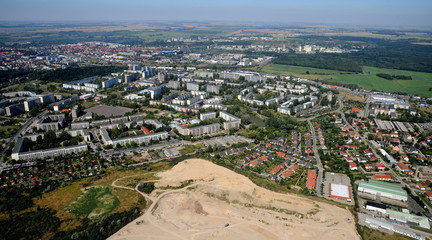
<point>342,12</point>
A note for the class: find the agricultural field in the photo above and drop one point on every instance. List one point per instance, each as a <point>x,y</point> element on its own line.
<point>419,85</point>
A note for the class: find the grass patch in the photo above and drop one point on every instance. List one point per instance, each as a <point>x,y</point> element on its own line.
<point>128,199</point>
<point>421,229</point>
<point>419,85</point>
<point>133,181</point>
<point>369,234</point>
<point>8,131</point>
<point>94,203</point>
<point>188,149</point>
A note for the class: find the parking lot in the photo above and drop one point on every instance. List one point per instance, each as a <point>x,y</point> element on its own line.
<point>337,178</point>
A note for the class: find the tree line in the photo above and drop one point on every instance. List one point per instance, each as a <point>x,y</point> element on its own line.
<point>9,77</point>
<point>400,54</point>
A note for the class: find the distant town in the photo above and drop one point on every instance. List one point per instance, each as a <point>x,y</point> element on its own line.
<point>353,146</point>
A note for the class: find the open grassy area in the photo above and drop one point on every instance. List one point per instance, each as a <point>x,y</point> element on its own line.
<point>369,234</point>
<point>419,85</point>
<point>8,131</point>
<point>62,197</point>
<point>134,180</point>
<point>95,202</point>
<point>39,85</point>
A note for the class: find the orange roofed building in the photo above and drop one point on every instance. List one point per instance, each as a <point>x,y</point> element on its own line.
<point>291,171</point>
<point>311,180</point>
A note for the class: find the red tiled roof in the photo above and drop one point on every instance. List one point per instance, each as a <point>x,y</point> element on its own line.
<point>402,166</point>
<point>290,172</point>
<point>276,169</point>
<point>145,130</point>
<point>380,165</point>
<point>382,176</point>
<point>254,163</point>
<point>311,179</point>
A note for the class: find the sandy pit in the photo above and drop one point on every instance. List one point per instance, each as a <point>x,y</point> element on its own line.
<point>221,204</point>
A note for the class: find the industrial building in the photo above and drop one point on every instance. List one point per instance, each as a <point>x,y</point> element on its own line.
<point>380,224</point>
<point>378,207</point>
<point>340,192</point>
<point>406,217</point>
<point>383,189</point>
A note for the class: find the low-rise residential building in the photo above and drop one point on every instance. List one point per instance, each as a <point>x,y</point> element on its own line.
<point>402,167</point>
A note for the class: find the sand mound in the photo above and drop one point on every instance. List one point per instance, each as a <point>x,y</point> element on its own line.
<point>221,204</point>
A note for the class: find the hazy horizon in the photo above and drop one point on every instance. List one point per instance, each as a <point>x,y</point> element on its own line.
<point>333,12</point>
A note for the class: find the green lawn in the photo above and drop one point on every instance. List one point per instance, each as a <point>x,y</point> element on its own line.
<point>8,131</point>
<point>419,85</point>
<point>94,203</point>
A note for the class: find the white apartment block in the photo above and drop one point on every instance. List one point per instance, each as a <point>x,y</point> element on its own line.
<point>199,130</point>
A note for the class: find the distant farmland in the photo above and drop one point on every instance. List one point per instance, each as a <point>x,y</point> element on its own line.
<point>419,85</point>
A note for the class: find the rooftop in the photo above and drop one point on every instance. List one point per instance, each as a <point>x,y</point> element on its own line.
<point>391,188</point>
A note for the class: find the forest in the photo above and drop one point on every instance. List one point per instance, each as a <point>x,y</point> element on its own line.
<point>10,77</point>
<point>400,54</point>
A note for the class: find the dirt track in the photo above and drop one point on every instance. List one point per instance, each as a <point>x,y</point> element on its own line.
<point>221,204</point>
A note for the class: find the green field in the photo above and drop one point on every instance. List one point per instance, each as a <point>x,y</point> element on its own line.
<point>419,85</point>
<point>94,203</point>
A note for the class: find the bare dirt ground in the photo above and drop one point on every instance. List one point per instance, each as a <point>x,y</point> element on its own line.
<point>221,204</point>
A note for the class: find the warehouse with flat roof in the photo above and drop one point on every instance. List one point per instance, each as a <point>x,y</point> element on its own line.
<point>340,191</point>
<point>384,189</point>
<point>406,217</point>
